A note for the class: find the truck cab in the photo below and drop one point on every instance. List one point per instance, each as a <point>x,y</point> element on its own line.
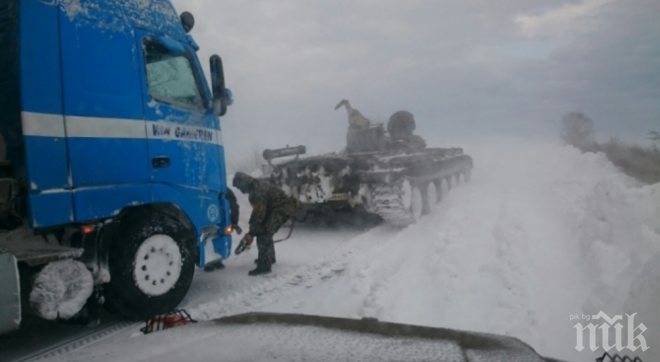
<point>113,153</point>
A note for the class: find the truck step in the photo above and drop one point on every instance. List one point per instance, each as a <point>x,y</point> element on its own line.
<point>33,249</point>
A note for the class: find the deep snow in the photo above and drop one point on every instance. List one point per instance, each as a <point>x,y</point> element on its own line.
<point>541,232</point>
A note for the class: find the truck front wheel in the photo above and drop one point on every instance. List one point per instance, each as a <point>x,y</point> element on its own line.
<point>151,262</point>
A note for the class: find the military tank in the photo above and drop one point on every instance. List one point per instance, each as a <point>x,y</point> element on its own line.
<point>391,174</point>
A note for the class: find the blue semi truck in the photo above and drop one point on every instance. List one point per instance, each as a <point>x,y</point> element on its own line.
<point>112,179</point>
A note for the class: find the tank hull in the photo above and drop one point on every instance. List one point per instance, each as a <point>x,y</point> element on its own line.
<point>398,186</point>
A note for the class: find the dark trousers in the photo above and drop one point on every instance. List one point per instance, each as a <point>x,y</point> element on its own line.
<point>265,243</point>
<point>266,249</point>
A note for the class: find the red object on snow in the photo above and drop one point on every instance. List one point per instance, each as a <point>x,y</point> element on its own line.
<point>176,318</point>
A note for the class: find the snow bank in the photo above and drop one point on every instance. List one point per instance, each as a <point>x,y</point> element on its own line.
<point>612,219</point>
<point>61,289</point>
<point>620,239</point>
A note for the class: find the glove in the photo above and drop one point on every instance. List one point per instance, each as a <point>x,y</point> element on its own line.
<point>238,229</point>
<point>248,238</point>
<point>244,244</point>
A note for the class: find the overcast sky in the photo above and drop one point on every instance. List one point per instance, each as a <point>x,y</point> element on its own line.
<point>463,67</point>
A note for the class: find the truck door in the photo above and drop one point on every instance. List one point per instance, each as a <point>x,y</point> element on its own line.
<point>183,134</point>
<point>104,115</point>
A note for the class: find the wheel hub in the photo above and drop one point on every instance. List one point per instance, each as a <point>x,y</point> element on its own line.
<point>157,265</point>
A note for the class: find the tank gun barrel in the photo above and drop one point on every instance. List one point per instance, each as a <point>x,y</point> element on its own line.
<point>355,118</point>
<point>346,104</point>
<point>270,155</point>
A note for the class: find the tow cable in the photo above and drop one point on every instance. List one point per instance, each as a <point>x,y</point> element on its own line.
<point>243,246</point>
<point>293,224</point>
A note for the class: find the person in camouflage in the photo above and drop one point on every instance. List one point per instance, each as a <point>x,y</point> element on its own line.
<point>271,208</point>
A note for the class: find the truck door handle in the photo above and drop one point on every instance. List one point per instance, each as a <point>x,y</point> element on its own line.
<point>160,162</point>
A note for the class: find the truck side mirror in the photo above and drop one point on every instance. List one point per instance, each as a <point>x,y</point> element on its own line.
<point>220,95</point>
<point>187,20</point>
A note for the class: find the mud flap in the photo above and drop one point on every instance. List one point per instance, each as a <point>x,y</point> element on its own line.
<point>10,294</point>
<point>214,249</point>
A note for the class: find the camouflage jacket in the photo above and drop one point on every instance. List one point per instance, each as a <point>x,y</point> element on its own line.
<point>271,208</point>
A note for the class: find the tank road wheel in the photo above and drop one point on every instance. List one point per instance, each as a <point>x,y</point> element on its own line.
<point>151,262</point>
<point>399,204</point>
<point>439,193</point>
<point>413,200</point>
<point>430,198</point>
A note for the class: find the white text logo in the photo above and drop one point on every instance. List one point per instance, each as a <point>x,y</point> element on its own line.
<point>634,334</point>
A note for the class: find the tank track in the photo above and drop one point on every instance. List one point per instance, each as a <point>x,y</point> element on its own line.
<point>387,201</point>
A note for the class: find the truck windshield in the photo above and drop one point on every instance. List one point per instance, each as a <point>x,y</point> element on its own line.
<point>171,76</point>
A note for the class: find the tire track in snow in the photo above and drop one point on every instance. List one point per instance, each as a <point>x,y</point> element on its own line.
<point>304,248</point>
<point>402,283</point>
<point>429,287</point>
<point>274,288</point>
<point>373,280</point>
<point>369,261</point>
<point>472,249</point>
<point>513,269</point>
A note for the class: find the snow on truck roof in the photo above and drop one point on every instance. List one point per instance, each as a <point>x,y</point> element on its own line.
<point>156,15</point>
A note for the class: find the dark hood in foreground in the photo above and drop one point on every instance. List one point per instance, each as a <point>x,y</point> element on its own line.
<point>293,337</point>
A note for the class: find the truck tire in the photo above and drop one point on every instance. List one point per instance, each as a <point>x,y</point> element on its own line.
<point>151,262</point>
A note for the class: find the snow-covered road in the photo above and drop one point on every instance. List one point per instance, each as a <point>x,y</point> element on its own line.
<point>540,233</point>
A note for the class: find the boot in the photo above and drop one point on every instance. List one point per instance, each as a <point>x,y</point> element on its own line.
<point>260,270</point>
<point>214,265</point>
<point>272,261</point>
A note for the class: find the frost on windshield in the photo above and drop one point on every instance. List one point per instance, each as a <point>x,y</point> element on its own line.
<point>171,78</point>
